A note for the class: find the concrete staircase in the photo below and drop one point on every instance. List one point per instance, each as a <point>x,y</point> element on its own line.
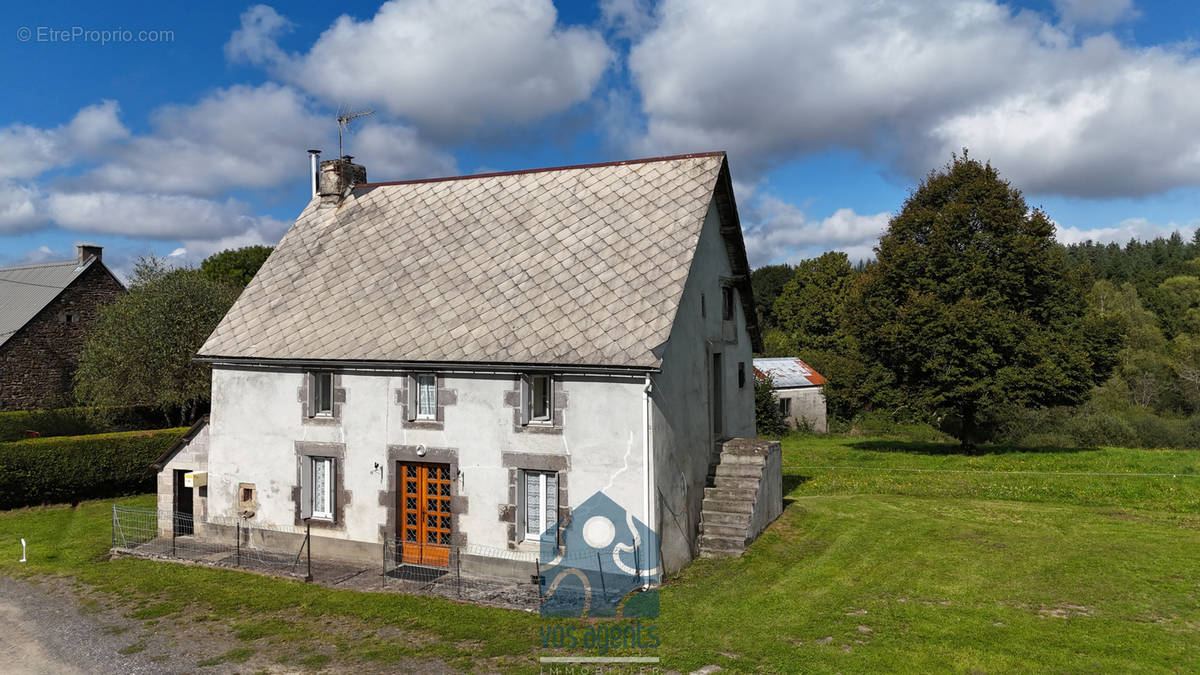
<point>744,496</point>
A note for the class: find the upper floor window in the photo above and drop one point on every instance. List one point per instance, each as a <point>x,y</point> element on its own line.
<point>727,303</point>
<point>537,399</point>
<point>426,397</point>
<point>322,394</point>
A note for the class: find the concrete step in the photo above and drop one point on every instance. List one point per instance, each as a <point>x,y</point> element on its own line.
<point>733,531</point>
<point>739,470</point>
<point>731,495</point>
<point>707,553</point>
<point>735,545</point>
<point>730,458</point>
<point>715,505</point>
<point>741,520</point>
<point>738,483</point>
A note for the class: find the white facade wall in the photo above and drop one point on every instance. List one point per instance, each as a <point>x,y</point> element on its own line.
<point>684,443</point>
<point>807,407</point>
<point>257,419</point>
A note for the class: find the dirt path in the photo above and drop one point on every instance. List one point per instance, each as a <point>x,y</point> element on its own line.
<point>43,631</point>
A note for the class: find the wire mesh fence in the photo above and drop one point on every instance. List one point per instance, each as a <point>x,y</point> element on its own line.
<point>170,534</point>
<point>453,571</point>
<point>232,543</point>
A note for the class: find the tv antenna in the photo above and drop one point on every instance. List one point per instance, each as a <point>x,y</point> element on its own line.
<point>343,120</point>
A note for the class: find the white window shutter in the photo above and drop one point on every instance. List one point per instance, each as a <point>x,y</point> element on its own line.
<point>526,399</point>
<point>333,469</point>
<point>311,403</point>
<point>411,413</point>
<point>521,506</point>
<point>306,487</point>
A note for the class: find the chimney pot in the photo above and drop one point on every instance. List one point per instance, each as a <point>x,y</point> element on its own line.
<point>88,251</point>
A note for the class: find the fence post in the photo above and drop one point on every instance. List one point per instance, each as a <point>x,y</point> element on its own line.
<point>174,530</point>
<point>457,573</point>
<point>385,562</point>
<point>114,528</point>
<point>239,544</point>
<point>308,547</point>
<point>537,565</point>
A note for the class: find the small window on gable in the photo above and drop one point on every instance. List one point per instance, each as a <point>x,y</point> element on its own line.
<point>741,374</point>
<point>727,303</point>
<point>322,394</point>
<point>426,397</point>
<point>703,311</point>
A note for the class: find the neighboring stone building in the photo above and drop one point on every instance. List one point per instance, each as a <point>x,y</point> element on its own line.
<point>459,363</point>
<point>800,390</point>
<point>45,311</point>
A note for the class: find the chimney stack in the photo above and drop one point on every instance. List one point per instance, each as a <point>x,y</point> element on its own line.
<point>89,251</point>
<point>339,175</point>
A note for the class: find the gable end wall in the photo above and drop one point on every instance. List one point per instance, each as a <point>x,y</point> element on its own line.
<point>37,365</point>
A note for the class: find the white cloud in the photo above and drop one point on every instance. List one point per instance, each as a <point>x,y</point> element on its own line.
<point>910,82</point>
<point>240,137</point>
<point>1095,12</point>
<point>394,152</point>
<point>29,151</point>
<point>449,66</point>
<point>782,232</point>
<point>626,18</point>
<point>19,207</point>
<point>156,216</point>
<point>255,41</point>
<point>1130,228</point>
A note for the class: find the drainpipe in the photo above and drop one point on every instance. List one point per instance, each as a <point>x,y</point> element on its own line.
<point>648,471</point>
<point>314,157</point>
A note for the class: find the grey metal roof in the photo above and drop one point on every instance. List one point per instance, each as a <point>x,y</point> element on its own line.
<point>788,372</point>
<point>26,289</point>
<point>570,266</point>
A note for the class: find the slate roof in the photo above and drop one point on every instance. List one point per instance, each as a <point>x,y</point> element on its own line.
<point>788,372</point>
<point>568,266</point>
<point>26,289</point>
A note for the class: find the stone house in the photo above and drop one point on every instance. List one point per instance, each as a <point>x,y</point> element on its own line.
<point>45,312</point>
<point>799,388</point>
<point>457,363</point>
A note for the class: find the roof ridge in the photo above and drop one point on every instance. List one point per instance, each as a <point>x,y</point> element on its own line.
<point>568,167</point>
<point>58,263</point>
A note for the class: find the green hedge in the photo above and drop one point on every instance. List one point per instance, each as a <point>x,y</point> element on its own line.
<point>74,468</point>
<point>77,421</point>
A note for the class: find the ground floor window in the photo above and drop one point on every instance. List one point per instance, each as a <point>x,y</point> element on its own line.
<point>319,499</point>
<point>540,503</point>
<point>785,407</point>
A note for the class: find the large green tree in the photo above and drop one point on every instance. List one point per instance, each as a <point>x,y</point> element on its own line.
<point>236,266</point>
<point>139,349</point>
<point>971,308</point>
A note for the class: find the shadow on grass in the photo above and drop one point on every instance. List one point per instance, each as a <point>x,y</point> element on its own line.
<point>934,448</point>
<point>791,481</point>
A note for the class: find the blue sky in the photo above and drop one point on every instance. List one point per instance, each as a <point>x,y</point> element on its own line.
<point>181,132</point>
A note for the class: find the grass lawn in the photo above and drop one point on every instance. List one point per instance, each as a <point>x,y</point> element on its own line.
<point>868,569</point>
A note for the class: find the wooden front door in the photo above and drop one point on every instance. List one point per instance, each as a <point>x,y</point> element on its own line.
<point>425,518</point>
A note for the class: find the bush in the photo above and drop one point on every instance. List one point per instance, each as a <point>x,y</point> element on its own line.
<point>1100,429</point>
<point>74,468</point>
<point>77,421</point>
<point>768,421</point>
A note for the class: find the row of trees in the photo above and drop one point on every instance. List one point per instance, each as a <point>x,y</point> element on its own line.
<point>139,349</point>
<point>974,319</point>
